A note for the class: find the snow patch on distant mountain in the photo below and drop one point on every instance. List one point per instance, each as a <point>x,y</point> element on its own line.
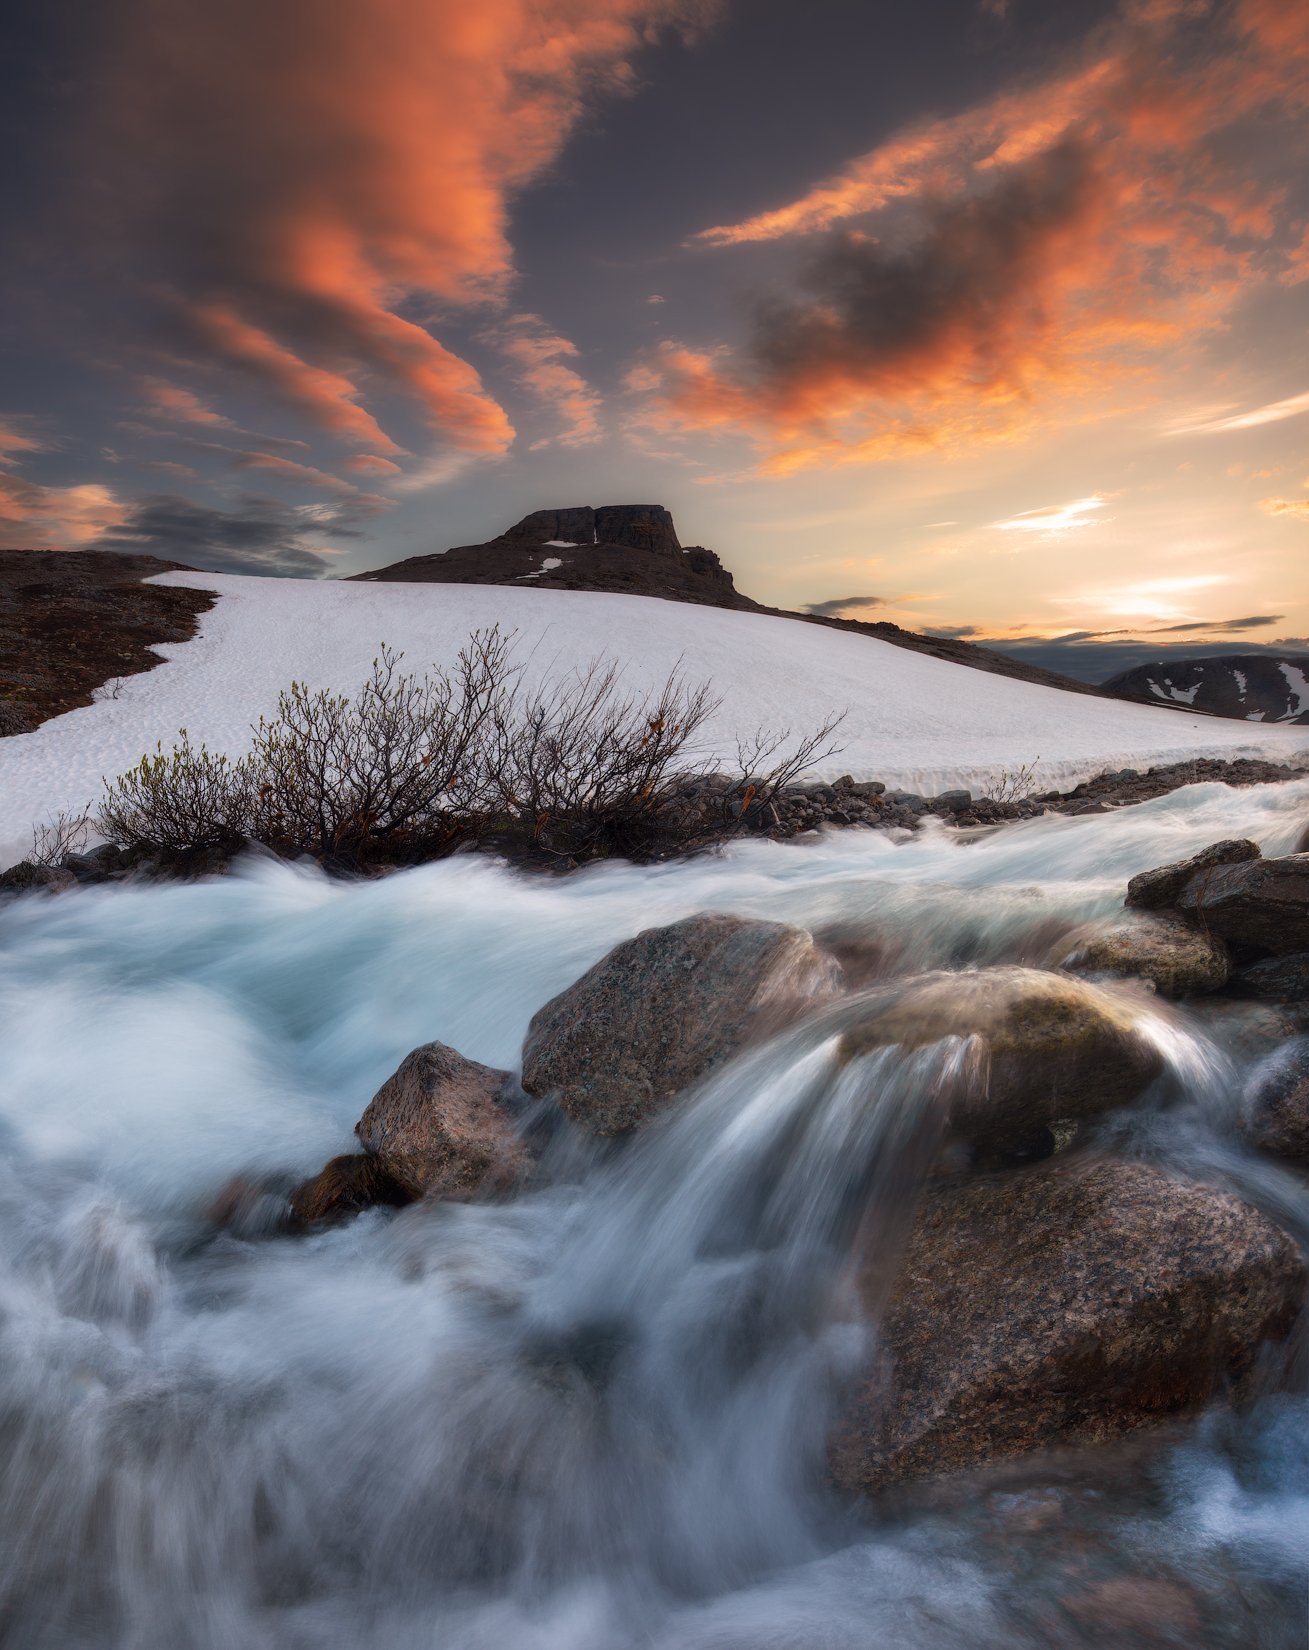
<point>1250,687</point>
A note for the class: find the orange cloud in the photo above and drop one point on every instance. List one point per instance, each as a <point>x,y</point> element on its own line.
<point>33,517</point>
<point>172,401</point>
<point>1296,508</point>
<point>541,358</point>
<point>1041,247</point>
<point>371,464</point>
<point>16,440</point>
<point>323,180</point>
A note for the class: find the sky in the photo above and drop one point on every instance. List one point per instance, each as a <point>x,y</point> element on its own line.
<point>987,317</point>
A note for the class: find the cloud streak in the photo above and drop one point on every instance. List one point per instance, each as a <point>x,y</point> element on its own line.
<point>303,191</point>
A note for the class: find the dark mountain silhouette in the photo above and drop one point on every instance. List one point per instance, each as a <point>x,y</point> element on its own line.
<point>1250,687</point>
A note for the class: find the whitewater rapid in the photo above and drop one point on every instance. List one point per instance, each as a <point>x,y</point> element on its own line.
<point>594,1417</point>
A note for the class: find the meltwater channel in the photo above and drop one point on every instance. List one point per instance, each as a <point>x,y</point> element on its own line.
<point>593,1416</point>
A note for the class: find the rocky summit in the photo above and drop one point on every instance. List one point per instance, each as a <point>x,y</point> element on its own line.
<point>630,549</point>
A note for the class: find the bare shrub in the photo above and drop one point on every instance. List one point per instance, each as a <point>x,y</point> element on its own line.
<point>582,767</point>
<point>183,800</point>
<point>1014,785</point>
<point>769,762</point>
<point>65,834</point>
<point>400,765</point>
<point>410,767</point>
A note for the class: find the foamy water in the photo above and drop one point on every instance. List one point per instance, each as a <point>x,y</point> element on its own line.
<point>593,1417</point>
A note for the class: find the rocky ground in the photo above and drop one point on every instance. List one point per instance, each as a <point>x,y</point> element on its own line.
<point>72,621</point>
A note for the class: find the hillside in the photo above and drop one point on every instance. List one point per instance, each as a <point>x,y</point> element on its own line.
<point>1251,687</point>
<point>633,549</point>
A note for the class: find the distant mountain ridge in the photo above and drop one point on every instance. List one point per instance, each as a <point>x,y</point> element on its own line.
<point>1249,687</point>
<point>633,549</point>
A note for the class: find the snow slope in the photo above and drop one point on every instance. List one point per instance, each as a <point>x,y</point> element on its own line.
<point>913,721</point>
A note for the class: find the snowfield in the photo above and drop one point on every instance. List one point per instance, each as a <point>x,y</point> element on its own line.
<point>916,722</point>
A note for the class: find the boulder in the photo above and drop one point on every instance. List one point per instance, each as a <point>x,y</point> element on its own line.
<point>1156,890</point>
<point>1263,904</point>
<point>344,1187</point>
<point>1061,1305</point>
<point>663,1009</point>
<point>1178,960</point>
<point>1049,1048</point>
<point>436,1126</point>
<point>1275,1106</point>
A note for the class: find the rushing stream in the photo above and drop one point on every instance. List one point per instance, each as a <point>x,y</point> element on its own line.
<point>592,1417</point>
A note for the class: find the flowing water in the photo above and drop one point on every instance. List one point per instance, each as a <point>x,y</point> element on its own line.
<point>592,1417</point>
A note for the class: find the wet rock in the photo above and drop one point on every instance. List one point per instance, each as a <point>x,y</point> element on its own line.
<point>953,802</point>
<point>251,1205</point>
<point>26,875</point>
<point>1157,889</point>
<point>663,1009</point>
<point>437,1126</point>
<point>1277,979</point>
<point>1140,1611</point>
<point>1178,960</point>
<point>1275,1106</point>
<point>344,1187</point>
<point>1263,904</point>
<point>1062,1305</point>
<point>1049,1048</point>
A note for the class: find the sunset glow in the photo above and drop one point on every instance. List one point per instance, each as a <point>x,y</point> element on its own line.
<point>382,276</point>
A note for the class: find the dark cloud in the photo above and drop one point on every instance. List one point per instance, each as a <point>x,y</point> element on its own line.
<point>1224,625</point>
<point>262,536</point>
<point>950,632</point>
<point>838,604</point>
<point>952,297</point>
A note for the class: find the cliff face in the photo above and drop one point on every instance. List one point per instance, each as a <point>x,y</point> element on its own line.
<point>631,548</point>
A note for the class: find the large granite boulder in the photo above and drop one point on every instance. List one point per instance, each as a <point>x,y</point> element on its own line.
<point>663,1009</point>
<point>436,1126</point>
<point>1178,960</point>
<point>1262,904</point>
<point>1048,1048</point>
<point>1159,888</point>
<point>1275,1106</point>
<point>1047,1307</point>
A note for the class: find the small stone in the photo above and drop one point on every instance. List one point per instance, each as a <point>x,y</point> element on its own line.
<point>1276,979</point>
<point>344,1187</point>
<point>436,1126</point>
<point>1275,1106</point>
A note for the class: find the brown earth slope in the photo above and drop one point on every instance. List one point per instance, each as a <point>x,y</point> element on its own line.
<point>72,620</point>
